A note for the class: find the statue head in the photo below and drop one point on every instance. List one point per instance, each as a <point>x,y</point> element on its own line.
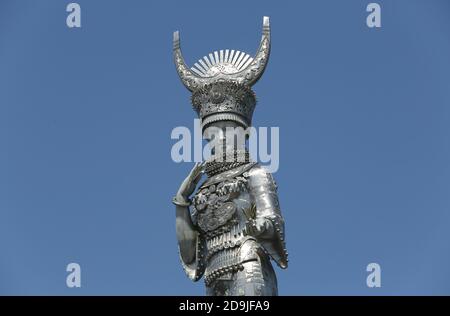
<point>221,82</point>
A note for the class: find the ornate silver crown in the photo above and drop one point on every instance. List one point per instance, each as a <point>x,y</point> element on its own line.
<point>221,82</point>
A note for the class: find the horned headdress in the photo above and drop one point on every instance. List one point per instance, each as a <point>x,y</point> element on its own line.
<point>221,81</point>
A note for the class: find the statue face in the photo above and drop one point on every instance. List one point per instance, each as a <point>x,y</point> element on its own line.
<point>221,129</point>
<point>225,134</point>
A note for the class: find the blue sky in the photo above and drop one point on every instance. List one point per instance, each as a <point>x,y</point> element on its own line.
<point>86,115</point>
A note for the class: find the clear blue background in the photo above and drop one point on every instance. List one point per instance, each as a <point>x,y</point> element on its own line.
<point>86,114</point>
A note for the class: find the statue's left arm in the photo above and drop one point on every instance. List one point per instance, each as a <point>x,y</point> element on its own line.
<point>268,224</point>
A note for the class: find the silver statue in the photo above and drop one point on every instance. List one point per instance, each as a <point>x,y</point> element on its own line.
<point>233,225</point>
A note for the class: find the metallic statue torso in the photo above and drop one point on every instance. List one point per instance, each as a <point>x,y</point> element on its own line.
<point>233,258</point>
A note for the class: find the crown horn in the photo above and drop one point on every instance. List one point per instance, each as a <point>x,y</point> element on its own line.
<point>190,80</point>
<point>251,74</point>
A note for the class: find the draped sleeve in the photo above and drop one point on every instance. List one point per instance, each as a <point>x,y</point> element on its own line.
<point>197,251</point>
<point>264,194</point>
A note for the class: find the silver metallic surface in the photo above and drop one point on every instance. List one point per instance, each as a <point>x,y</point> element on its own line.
<point>233,227</point>
<point>222,86</point>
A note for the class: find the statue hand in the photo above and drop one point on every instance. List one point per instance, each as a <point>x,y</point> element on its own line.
<point>260,227</point>
<point>187,187</point>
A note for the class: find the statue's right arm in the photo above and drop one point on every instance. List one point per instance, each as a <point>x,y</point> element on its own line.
<point>191,244</point>
<point>186,234</point>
